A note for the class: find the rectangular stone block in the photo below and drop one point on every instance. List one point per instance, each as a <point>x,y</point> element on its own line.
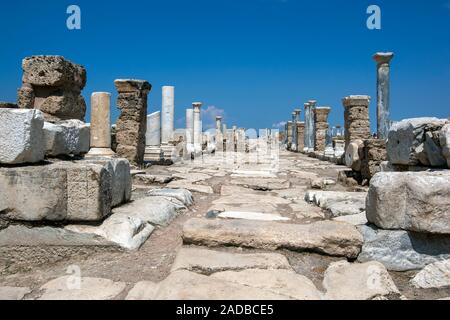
<point>21,136</point>
<point>60,191</point>
<point>71,137</point>
<point>412,201</point>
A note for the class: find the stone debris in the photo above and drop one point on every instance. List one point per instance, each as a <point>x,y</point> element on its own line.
<point>21,136</point>
<point>53,85</point>
<point>207,261</point>
<point>338,203</point>
<point>414,201</point>
<point>354,219</point>
<point>402,250</point>
<point>192,177</point>
<point>263,184</point>
<point>85,288</point>
<point>327,237</point>
<point>282,282</point>
<point>149,179</point>
<point>70,137</point>
<point>251,216</point>
<point>435,275</point>
<point>359,281</point>
<point>182,184</point>
<point>128,232</point>
<point>416,142</point>
<point>13,293</point>
<point>444,138</point>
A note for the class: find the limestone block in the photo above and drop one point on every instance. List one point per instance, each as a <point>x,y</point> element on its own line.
<point>70,137</point>
<point>68,105</point>
<point>53,71</point>
<point>444,138</point>
<point>414,201</point>
<point>353,155</point>
<point>60,191</point>
<point>416,142</point>
<point>374,153</point>
<point>21,136</point>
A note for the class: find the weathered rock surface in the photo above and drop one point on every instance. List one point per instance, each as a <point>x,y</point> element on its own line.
<point>251,216</point>
<point>402,250</point>
<point>416,141</point>
<point>13,293</point>
<point>328,237</point>
<point>121,180</point>
<point>183,184</point>
<point>338,203</point>
<point>359,281</point>
<point>128,232</point>
<point>207,261</point>
<point>192,177</point>
<point>185,285</point>
<point>243,198</point>
<point>354,219</point>
<point>444,139</point>
<point>60,191</point>
<point>414,201</point>
<point>72,288</point>
<point>70,137</point>
<point>53,85</point>
<point>263,184</point>
<point>183,195</point>
<point>21,136</point>
<point>155,210</point>
<point>282,282</point>
<point>435,275</point>
<point>149,179</point>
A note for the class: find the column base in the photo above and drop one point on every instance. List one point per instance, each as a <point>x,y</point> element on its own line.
<point>153,154</point>
<point>100,152</point>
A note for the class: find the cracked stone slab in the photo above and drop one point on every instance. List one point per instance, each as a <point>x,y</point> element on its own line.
<point>251,216</point>
<point>208,261</point>
<point>85,288</point>
<point>327,237</point>
<point>13,293</point>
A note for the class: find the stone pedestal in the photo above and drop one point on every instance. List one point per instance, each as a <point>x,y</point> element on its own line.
<point>153,151</point>
<point>356,117</point>
<point>132,123</point>
<point>321,128</point>
<point>197,127</point>
<point>383,108</point>
<point>100,125</point>
<point>374,153</point>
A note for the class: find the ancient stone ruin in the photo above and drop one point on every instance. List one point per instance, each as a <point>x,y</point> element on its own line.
<point>317,212</point>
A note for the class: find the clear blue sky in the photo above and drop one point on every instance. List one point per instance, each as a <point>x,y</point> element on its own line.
<point>255,59</point>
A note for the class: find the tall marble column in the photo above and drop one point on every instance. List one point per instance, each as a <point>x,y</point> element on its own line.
<point>100,125</point>
<point>356,117</point>
<point>307,108</point>
<point>311,126</point>
<point>383,87</point>
<point>321,128</point>
<point>219,135</point>
<point>289,135</point>
<point>197,127</point>
<point>189,132</point>
<point>167,117</point>
<point>153,137</point>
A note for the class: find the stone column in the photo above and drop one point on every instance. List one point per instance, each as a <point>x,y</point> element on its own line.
<point>300,136</point>
<point>197,127</point>
<point>153,137</point>
<point>219,135</point>
<point>132,123</point>
<point>383,83</point>
<point>321,128</point>
<point>289,135</point>
<point>100,125</point>
<point>167,118</point>
<point>311,126</point>
<point>356,117</point>
<point>240,140</point>
<point>307,108</point>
